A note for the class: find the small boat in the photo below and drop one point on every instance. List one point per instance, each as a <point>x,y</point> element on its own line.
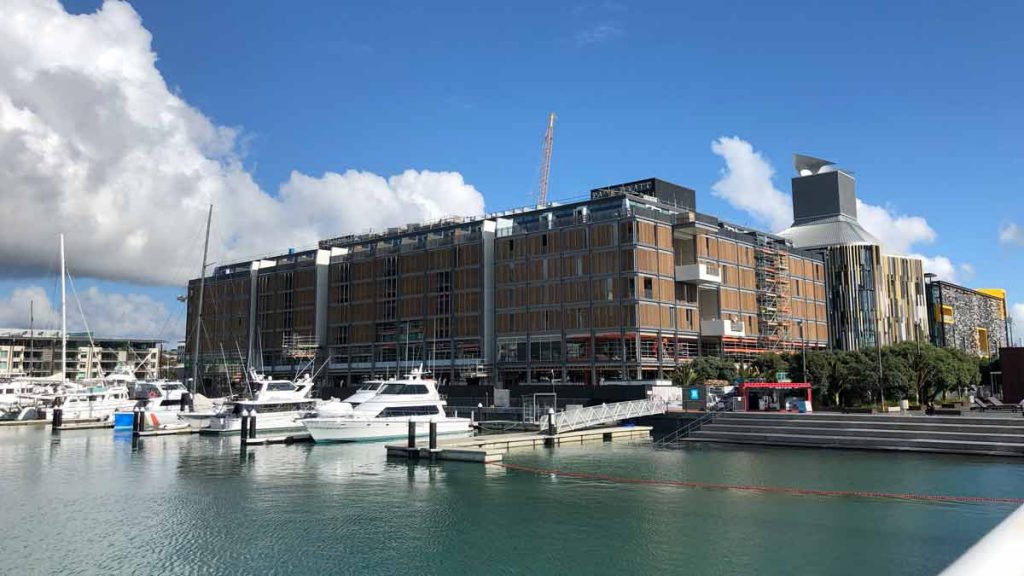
<point>387,414</point>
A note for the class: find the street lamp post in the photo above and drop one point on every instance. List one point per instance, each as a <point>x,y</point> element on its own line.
<point>878,346</point>
<point>803,349</point>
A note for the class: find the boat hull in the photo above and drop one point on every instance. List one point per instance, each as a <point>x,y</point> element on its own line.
<point>367,430</point>
<point>272,422</point>
<point>155,419</point>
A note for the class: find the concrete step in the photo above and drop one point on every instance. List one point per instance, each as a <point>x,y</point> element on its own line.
<point>862,442</point>
<point>864,431</point>
<point>876,423</point>
<point>967,420</point>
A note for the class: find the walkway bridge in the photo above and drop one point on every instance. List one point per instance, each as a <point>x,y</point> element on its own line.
<point>590,416</point>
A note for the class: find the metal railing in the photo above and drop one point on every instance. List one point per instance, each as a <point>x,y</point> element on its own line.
<point>691,426</point>
<point>579,418</point>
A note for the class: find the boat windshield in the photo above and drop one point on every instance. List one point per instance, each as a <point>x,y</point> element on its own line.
<point>404,389</point>
<point>268,408</point>
<point>280,386</point>
<point>146,391</point>
<point>370,387</point>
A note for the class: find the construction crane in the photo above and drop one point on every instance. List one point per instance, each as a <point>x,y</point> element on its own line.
<point>545,163</point>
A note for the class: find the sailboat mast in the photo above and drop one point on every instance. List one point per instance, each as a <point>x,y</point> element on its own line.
<point>199,306</point>
<point>63,317</point>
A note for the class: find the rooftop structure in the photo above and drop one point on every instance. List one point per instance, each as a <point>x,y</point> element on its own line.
<point>873,298</point>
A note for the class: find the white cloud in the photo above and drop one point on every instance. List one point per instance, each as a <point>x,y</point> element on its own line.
<point>746,184</point>
<point>105,313</point>
<point>598,34</point>
<point>897,232</point>
<point>1010,233</point>
<point>95,145</point>
<point>966,271</point>
<point>941,266</point>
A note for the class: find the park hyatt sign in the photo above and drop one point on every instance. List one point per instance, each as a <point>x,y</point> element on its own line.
<point>642,188</point>
<point>651,188</point>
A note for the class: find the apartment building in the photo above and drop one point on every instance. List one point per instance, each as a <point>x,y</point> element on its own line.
<point>268,313</point>
<point>621,286</point>
<point>37,353</point>
<point>634,281</point>
<point>873,298</point>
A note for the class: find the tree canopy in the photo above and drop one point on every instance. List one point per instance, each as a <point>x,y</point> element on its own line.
<point>916,371</point>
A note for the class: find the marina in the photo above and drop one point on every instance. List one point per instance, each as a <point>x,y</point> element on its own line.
<point>320,508</point>
<point>287,290</point>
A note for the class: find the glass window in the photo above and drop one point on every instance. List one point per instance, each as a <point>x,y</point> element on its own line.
<point>404,389</point>
<point>280,387</point>
<point>393,411</point>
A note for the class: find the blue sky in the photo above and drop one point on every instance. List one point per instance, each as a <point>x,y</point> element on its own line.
<point>920,99</point>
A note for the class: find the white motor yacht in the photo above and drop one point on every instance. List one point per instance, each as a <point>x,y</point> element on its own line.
<point>335,407</point>
<point>11,393</point>
<point>386,415</point>
<point>98,402</point>
<point>279,405</point>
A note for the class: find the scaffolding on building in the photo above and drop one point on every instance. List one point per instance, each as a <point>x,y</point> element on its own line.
<point>299,346</point>
<point>774,315</point>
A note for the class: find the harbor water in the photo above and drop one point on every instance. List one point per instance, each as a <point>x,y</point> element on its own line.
<point>89,502</point>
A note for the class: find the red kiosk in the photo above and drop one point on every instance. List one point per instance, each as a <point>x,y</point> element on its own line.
<point>771,400</point>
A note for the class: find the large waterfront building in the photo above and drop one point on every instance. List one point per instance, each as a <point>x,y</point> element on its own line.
<point>37,353</point>
<point>972,320</point>
<point>873,298</point>
<point>619,287</point>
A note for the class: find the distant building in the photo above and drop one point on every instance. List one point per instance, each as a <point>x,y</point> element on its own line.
<point>37,353</point>
<point>873,298</point>
<point>971,320</point>
<point>621,286</point>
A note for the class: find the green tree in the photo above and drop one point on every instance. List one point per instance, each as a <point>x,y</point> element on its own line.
<point>897,374</point>
<point>748,372</point>
<point>685,376</point>
<point>858,375</point>
<point>819,369</point>
<point>714,368</point>
<point>768,364</point>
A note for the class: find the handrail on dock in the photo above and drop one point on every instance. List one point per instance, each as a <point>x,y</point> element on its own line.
<point>691,426</point>
<point>578,418</point>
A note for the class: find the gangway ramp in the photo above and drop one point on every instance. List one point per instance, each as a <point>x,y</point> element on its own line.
<point>590,416</point>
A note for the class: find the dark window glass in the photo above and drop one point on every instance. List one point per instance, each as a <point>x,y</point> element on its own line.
<point>393,411</point>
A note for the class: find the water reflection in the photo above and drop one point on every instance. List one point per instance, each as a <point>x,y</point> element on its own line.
<point>181,504</point>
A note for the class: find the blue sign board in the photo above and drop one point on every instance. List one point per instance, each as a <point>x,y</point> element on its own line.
<point>694,393</point>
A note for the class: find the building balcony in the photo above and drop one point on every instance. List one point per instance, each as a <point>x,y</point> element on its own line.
<point>700,273</point>
<point>722,328</point>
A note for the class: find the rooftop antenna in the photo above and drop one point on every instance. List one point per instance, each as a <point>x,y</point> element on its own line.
<point>545,163</point>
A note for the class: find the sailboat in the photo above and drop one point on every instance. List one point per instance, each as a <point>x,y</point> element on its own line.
<point>98,401</point>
